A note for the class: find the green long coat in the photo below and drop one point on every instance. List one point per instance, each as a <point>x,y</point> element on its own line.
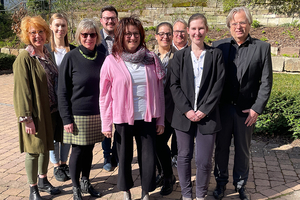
<point>31,99</point>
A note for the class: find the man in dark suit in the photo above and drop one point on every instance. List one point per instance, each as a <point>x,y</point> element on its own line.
<point>247,88</point>
<point>109,19</point>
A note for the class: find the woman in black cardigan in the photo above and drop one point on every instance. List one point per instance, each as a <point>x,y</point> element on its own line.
<point>197,78</point>
<point>78,102</point>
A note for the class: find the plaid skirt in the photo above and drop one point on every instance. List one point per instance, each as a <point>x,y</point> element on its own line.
<point>86,131</point>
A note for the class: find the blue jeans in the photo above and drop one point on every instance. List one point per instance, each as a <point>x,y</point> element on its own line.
<point>60,152</point>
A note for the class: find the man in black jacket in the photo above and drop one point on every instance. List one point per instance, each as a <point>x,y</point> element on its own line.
<point>109,19</point>
<point>247,88</point>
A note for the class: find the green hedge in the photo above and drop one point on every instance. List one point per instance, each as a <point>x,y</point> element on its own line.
<point>282,113</point>
<point>6,61</point>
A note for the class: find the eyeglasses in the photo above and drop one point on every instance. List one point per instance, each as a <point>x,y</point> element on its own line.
<point>162,34</point>
<point>40,32</point>
<point>240,23</point>
<point>109,18</point>
<point>129,34</point>
<point>179,32</point>
<point>85,35</point>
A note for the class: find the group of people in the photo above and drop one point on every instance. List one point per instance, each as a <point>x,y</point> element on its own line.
<point>202,96</point>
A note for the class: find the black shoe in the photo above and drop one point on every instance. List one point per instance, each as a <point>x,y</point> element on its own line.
<point>59,174</point>
<point>66,169</point>
<point>45,186</point>
<point>34,193</point>
<point>219,191</point>
<point>159,180</point>
<point>167,187</point>
<point>243,194</point>
<point>86,187</point>
<point>77,193</point>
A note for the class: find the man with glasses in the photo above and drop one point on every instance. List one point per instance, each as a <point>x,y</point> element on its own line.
<point>246,91</point>
<point>180,36</point>
<point>109,19</point>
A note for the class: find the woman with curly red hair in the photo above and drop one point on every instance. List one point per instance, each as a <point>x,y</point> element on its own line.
<point>35,102</point>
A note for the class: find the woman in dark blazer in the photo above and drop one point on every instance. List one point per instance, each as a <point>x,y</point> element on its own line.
<point>197,78</point>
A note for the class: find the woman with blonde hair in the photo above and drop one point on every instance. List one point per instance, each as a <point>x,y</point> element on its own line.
<point>35,103</point>
<point>78,97</point>
<point>58,47</point>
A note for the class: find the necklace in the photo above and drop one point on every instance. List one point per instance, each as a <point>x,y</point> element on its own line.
<point>89,58</point>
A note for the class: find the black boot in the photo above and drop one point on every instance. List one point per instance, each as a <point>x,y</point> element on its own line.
<point>219,191</point>
<point>243,194</point>
<point>45,186</point>
<point>167,187</point>
<point>86,187</point>
<point>34,193</point>
<point>77,193</point>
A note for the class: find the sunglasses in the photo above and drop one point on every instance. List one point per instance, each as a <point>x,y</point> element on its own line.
<point>85,35</point>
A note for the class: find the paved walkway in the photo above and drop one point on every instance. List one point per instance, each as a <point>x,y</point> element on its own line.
<point>274,169</point>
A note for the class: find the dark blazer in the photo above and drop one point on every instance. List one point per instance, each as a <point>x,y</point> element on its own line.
<point>183,90</point>
<point>102,47</point>
<point>48,46</point>
<point>256,79</point>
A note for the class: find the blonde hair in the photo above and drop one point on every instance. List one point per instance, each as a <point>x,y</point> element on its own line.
<point>52,43</point>
<point>36,22</point>
<point>87,24</point>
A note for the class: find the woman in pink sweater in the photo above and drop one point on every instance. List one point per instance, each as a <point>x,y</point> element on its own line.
<point>132,97</point>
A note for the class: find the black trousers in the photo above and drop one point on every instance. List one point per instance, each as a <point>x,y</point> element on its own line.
<point>233,124</point>
<point>145,136</point>
<point>163,152</point>
<point>80,161</point>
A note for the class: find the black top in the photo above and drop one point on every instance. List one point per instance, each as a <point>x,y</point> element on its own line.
<point>236,64</point>
<point>78,84</point>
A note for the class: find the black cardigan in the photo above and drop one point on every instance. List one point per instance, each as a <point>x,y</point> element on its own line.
<point>78,84</point>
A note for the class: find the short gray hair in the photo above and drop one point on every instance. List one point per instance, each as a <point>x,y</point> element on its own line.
<point>180,20</point>
<point>87,24</point>
<point>236,10</point>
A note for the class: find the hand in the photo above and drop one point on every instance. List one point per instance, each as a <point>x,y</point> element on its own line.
<point>107,134</point>
<point>30,127</point>
<point>69,128</point>
<point>191,115</point>
<point>160,129</point>
<point>252,117</point>
<point>200,114</point>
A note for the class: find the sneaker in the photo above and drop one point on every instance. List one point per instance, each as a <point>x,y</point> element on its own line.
<point>66,170</point>
<point>174,161</point>
<point>59,174</point>
<point>107,164</point>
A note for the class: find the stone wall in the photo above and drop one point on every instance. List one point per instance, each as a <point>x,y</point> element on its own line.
<point>153,14</point>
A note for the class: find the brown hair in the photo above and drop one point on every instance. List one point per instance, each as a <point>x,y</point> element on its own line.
<point>36,22</point>
<point>120,31</point>
<point>59,16</point>
<point>198,16</point>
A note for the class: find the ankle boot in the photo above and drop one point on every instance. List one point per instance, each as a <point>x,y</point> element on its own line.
<point>77,193</point>
<point>127,195</point>
<point>45,186</point>
<point>86,187</point>
<point>34,193</point>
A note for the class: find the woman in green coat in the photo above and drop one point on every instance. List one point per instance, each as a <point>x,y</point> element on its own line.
<point>35,103</point>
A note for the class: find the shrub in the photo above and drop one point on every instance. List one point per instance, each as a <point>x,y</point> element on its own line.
<point>6,61</point>
<point>282,113</point>
<point>255,24</point>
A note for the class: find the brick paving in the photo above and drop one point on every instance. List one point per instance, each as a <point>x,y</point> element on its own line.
<point>274,169</point>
